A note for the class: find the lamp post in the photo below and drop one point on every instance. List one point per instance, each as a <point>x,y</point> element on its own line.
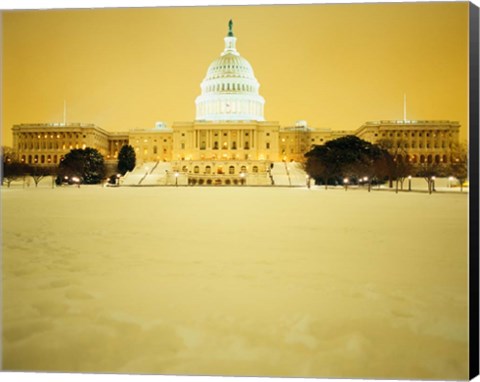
<point>450,180</point>
<point>409,183</point>
<point>242,178</point>
<point>307,177</point>
<point>176,178</point>
<point>433,183</point>
<point>366,179</point>
<point>345,182</point>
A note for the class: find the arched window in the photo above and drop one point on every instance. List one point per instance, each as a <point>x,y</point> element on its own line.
<point>231,170</point>
<point>422,158</point>
<point>196,169</point>
<point>208,170</point>
<point>255,169</point>
<point>243,169</point>
<point>437,158</point>
<point>429,159</point>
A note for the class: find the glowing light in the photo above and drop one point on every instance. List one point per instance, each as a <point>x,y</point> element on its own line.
<point>345,180</point>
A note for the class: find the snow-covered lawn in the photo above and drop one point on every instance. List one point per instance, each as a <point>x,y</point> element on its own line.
<point>235,281</point>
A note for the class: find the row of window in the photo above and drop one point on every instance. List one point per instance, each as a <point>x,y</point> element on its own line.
<point>41,159</point>
<point>231,170</point>
<point>154,150</point>
<point>230,87</point>
<point>428,145</point>
<point>413,134</point>
<point>46,136</point>
<point>50,146</point>
<point>423,158</point>
<point>145,140</point>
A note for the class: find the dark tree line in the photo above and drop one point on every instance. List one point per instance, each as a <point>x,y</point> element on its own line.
<point>87,165</point>
<point>126,159</point>
<point>13,169</point>
<point>347,157</point>
<point>353,158</point>
<point>83,165</point>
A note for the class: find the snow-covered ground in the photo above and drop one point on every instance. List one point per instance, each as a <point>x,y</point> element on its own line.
<point>235,281</point>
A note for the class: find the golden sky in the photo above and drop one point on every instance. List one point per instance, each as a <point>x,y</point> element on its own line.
<point>336,66</point>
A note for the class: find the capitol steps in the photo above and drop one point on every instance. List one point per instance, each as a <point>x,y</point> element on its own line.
<point>279,174</point>
<point>298,176</point>
<point>158,175</point>
<point>288,174</point>
<point>146,174</point>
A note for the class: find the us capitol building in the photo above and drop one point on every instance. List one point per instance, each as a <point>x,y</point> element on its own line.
<point>229,142</point>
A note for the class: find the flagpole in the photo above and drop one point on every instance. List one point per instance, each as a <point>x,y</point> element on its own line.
<point>64,113</point>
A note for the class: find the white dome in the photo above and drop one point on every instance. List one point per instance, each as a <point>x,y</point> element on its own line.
<point>230,89</point>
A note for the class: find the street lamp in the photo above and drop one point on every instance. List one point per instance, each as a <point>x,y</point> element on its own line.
<point>118,180</point>
<point>450,180</point>
<point>409,183</point>
<point>242,178</point>
<point>76,180</point>
<point>345,182</point>
<point>433,183</point>
<point>176,178</point>
<point>307,178</point>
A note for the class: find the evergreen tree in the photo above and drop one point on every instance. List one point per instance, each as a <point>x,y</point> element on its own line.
<point>347,156</point>
<point>86,164</point>
<point>126,159</point>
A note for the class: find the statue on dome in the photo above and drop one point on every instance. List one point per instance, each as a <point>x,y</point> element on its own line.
<point>230,28</point>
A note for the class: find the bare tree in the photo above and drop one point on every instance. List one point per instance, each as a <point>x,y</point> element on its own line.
<point>398,166</point>
<point>39,172</point>
<point>428,170</point>
<point>458,166</point>
<point>13,170</point>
